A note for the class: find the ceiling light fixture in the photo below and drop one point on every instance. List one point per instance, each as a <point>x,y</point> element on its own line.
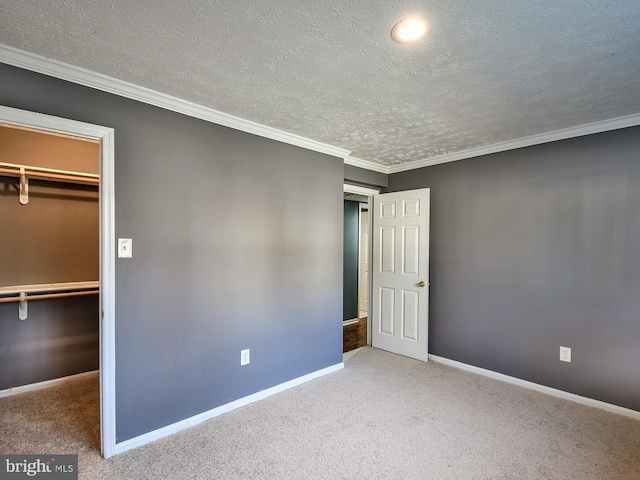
<point>410,30</point>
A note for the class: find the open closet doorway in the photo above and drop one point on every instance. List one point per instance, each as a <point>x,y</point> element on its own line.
<point>357,256</point>
<point>56,280</point>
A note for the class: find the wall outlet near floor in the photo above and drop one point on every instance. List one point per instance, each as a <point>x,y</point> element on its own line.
<point>565,354</point>
<point>245,357</point>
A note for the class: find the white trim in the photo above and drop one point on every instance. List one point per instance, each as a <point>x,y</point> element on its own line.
<point>202,417</point>
<point>366,164</point>
<point>564,134</point>
<point>107,295</point>
<point>81,76</point>
<point>360,190</point>
<point>350,322</point>
<point>540,388</point>
<point>105,136</point>
<point>47,383</point>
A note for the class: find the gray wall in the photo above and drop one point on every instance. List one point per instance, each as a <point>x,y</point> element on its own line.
<point>350,260</point>
<point>360,176</point>
<point>536,248</point>
<point>226,256</point>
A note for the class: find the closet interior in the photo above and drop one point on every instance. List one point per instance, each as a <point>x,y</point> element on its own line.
<point>49,256</point>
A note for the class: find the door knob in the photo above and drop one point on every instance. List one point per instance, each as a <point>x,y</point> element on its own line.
<point>421,284</point>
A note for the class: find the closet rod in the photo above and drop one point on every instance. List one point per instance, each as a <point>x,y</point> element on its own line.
<point>53,176</point>
<point>50,170</point>
<point>49,287</point>
<point>48,295</point>
<point>42,292</point>
<point>13,169</point>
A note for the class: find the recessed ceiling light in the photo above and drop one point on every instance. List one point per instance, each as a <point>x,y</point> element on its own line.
<point>410,30</point>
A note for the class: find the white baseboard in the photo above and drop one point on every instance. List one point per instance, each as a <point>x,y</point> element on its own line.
<point>47,383</point>
<point>590,402</point>
<point>350,322</point>
<point>196,419</point>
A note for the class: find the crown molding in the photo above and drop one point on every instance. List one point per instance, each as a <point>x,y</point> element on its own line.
<point>366,164</point>
<point>98,81</point>
<point>564,134</point>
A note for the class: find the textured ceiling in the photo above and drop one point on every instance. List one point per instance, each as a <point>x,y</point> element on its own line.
<point>489,72</point>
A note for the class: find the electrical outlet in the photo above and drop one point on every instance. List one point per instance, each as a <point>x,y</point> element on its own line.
<point>565,354</point>
<point>245,357</point>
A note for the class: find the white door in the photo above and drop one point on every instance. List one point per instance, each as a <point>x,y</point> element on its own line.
<point>400,272</point>
<point>363,252</point>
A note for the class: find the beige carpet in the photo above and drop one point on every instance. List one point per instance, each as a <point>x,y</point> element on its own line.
<point>382,417</point>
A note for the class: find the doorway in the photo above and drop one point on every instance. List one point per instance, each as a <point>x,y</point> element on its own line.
<point>357,254</point>
<point>102,137</point>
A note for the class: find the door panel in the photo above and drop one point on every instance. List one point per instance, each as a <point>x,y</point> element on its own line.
<point>410,249</point>
<point>388,249</point>
<point>410,317</point>
<point>400,300</point>
<point>388,210</point>
<point>387,311</point>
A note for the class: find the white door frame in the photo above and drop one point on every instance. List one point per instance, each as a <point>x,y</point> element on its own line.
<point>105,136</point>
<point>367,192</point>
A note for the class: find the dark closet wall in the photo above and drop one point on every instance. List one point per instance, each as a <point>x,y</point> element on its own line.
<point>226,255</point>
<point>52,239</point>
<point>59,338</point>
<point>536,248</point>
<point>350,262</point>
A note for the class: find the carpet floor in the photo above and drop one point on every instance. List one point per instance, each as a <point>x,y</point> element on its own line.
<point>383,417</point>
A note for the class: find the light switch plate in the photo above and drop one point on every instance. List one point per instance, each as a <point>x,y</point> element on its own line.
<point>125,248</point>
<point>245,358</point>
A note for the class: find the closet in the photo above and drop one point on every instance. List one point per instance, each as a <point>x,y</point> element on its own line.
<point>49,256</point>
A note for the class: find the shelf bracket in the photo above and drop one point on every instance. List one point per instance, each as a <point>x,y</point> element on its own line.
<point>22,306</point>
<point>24,189</point>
